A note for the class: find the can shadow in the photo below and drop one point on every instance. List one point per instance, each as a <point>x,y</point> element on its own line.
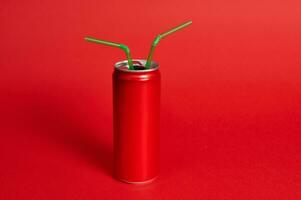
<point>58,121</point>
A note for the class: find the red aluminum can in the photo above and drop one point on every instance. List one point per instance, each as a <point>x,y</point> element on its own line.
<point>136,112</point>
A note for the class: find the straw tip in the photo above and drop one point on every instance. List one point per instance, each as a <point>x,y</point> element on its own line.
<point>189,22</point>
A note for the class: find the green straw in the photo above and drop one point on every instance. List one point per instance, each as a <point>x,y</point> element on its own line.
<point>161,36</point>
<point>113,44</point>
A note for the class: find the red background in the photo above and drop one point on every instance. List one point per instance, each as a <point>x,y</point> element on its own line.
<point>231,98</point>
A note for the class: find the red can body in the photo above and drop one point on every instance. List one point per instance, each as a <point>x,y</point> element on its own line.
<point>136,112</point>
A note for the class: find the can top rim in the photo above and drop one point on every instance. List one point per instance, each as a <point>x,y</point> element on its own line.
<point>124,66</point>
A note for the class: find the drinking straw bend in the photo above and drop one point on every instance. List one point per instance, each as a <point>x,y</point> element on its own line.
<point>161,36</point>
<point>113,44</point>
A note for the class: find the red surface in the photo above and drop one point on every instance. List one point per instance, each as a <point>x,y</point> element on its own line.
<point>231,98</point>
<point>136,124</point>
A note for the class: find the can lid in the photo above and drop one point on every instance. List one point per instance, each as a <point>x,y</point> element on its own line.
<point>138,64</point>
